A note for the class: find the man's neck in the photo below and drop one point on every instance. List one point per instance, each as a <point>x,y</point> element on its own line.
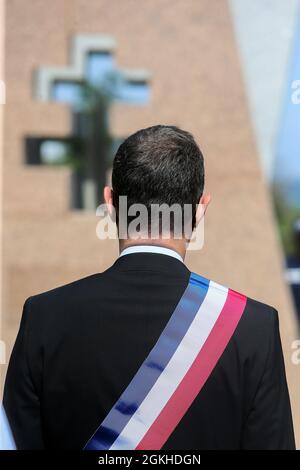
<point>179,246</point>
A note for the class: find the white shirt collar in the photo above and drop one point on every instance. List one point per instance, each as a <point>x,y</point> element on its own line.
<point>151,249</point>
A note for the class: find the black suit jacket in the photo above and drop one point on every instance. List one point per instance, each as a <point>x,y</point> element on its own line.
<point>80,345</point>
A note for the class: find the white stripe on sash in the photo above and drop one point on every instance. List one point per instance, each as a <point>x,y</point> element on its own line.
<point>175,370</point>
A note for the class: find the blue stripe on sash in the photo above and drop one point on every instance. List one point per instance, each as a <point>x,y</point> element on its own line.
<point>153,365</point>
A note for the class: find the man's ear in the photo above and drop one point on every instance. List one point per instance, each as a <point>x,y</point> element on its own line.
<point>202,206</point>
<point>108,198</point>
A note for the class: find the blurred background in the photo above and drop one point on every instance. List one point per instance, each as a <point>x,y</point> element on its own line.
<point>77,77</point>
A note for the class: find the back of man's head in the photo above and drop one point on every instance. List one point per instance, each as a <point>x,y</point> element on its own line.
<point>159,165</point>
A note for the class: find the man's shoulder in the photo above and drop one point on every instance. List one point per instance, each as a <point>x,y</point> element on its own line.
<point>258,323</point>
<point>50,314</point>
<point>260,311</point>
<point>70,294</point>
<point>256,328</point>
<point>65,290</point>
<point>256,314</point>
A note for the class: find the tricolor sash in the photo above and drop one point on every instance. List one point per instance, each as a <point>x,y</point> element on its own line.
<point>175,370</point>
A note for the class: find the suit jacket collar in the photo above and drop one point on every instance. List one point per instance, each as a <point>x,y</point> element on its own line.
<point>151,262</point>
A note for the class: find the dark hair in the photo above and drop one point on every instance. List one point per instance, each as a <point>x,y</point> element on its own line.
<point>159,165</point>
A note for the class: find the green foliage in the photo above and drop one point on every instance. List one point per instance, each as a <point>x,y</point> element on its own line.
<point>93,107</point>
<point>100,97</point>
<point>286,216</point>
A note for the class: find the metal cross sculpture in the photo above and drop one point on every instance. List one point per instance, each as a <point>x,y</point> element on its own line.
<point>90,84</point>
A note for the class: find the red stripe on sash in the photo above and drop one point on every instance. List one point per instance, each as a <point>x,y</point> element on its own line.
<point>197,375</point>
